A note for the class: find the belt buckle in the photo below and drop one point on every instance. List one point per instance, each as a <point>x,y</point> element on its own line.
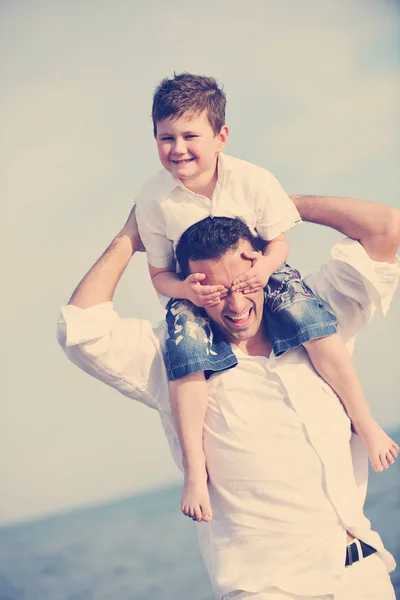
<point>358,553</point>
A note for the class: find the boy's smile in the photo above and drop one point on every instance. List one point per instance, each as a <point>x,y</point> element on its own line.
<point>188,148</point>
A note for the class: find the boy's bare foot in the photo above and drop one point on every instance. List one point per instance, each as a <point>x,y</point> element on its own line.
<point>382,450</point>
<point>195,498</point>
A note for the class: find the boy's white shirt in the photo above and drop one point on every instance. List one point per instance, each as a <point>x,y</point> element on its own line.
<point>166,208</point>
<point>127,354</point>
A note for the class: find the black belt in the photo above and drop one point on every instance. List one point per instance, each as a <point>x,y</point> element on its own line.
<point>353,554</point>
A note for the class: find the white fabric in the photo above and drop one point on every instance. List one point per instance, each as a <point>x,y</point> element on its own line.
<point>126,354</point>
<point>367,579</point>
<point>165,208</point>
<point>282,527</point>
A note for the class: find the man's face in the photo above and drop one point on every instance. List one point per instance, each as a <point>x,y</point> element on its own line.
<point>188,147</point>
<point>238,315</point>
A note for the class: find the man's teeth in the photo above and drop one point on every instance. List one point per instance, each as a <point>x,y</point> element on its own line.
<point>240,317</point>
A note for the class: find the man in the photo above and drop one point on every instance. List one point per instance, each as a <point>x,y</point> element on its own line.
<point>286,478</point>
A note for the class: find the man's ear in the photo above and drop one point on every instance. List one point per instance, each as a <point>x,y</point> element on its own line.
<point>223,137</point>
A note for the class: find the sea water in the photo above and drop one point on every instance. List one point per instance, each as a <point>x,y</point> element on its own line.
<point>140,548</point>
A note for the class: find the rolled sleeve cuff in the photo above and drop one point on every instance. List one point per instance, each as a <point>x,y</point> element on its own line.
<point>379,278</point>
<point>122,353</point>
<point>83,325</point>
<point>269,232</point>
<point>161,262</point>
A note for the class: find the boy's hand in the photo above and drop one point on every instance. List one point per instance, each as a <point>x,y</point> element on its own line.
<point>256,278</point>
<point>203,295</point>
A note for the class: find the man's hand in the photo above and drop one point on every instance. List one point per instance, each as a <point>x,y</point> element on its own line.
<point>130,229</point>
<point>203,295</point>
<point>256,278</point>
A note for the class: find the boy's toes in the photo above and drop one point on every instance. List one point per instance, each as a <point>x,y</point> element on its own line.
<point>377,465</point>
<point>207,513</point>
<point>197,513</point>
<point>384,461</point>
<point>187,510</point>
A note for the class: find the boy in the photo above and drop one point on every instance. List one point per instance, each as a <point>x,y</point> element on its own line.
<point>198,181</point>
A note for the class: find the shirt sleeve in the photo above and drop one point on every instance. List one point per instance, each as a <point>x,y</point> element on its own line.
<point>353,286</point>
<point>123,353</point>
<point>275,211</point>
<point>153,230</point>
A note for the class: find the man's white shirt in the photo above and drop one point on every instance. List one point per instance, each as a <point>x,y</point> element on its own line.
<point>287,477</point>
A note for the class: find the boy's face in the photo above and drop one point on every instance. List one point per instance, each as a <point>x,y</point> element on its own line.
<point>188,147</point>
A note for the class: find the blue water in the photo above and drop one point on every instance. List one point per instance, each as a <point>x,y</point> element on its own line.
<point>140,548</point>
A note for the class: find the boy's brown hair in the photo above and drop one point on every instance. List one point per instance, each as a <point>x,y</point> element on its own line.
<point>192,94</point>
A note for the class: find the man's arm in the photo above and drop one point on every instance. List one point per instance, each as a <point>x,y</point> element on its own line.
<point>361,276</point>
<point>123,353</point>
<point>375,226</point>
<point>99,283</point>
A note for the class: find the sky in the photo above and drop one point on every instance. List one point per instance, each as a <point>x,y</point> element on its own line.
<point>313,95</point>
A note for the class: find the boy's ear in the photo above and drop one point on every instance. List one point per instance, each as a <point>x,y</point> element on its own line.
<point>223,137</point>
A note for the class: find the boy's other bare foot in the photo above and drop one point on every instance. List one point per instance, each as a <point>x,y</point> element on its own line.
<point>195,498</point>
<point>382,450</point>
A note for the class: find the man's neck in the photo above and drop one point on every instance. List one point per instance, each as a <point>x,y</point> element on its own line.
<point>258,345</point>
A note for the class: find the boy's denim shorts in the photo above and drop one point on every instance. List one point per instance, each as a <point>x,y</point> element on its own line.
<point>293,316</point>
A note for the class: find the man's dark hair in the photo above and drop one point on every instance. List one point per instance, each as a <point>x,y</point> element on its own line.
<point>211,238</point>
<point>192,94</point>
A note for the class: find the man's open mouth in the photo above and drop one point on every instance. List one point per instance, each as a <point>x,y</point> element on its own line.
<point>239,320</point>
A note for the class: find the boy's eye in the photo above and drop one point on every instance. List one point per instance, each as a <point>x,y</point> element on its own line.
<point>191,135</point>
<point>164,139</point>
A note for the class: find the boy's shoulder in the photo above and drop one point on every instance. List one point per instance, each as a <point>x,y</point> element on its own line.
<point>244,168</point>
<point>156,187</point>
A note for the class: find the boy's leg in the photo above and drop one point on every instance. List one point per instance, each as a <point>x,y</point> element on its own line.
<point>189,400</point>
<point>190,350</point>
<point>296,317</point>
<point>332,361</point>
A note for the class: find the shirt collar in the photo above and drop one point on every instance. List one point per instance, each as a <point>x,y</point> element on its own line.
<point>171,181</point>
<point>224,163</point>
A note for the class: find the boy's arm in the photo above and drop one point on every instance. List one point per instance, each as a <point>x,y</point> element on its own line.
<point>275,213</point>
<point>274,255</point>
<point>169,284</point>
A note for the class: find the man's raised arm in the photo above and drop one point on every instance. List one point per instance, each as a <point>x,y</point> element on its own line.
<point>99,283</point>
<point>375,226</point>
<point>102,344</point>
